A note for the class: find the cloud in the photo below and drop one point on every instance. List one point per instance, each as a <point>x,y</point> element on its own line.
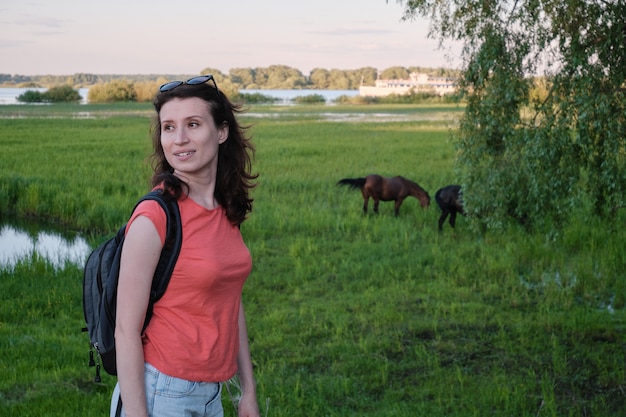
<point>48,33</point>
<point>43,22</point>
<point>33,20</point>
<point>352,32</point>
<point>14,43</point>
<point>49,22</point>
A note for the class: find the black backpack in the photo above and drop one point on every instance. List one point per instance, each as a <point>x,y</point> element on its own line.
<point>100,284</point>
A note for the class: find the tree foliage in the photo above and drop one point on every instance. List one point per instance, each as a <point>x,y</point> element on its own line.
<point>113,91</point>
<point>63,93</point>
<point>279,77</point>
<point>395,73</point>
<point>310,99</point>
<point>535,147</point>
<point>59,94</point>
<point>30,96</point>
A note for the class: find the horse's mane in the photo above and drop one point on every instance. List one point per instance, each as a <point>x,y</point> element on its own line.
<point>414,184</point>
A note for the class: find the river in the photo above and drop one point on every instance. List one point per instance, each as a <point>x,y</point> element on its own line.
<point>9,95</point>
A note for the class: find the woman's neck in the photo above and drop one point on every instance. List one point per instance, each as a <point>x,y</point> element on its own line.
<point>202,191</point>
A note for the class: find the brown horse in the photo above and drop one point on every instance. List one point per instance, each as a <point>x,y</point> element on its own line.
<point>386,189</point>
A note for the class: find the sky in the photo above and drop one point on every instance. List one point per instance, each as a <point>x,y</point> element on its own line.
<point>64,37</point>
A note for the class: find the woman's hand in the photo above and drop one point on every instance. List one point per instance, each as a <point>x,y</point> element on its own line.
<point>248,406</point>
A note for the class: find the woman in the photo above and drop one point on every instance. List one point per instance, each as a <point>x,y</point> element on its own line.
<point>197,337</point>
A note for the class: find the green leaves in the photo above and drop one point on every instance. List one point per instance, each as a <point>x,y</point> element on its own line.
<point>60,94</point>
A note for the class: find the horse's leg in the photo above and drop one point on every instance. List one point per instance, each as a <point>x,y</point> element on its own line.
<point>366,199</point>
<point>442,219</point>
<point>452,218</point>
<point>397,206</point>
<point>376,201</point>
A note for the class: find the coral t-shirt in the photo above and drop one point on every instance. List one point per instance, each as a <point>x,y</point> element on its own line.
<point>194,331</point>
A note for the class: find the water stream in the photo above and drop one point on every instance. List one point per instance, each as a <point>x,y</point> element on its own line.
<point>20,240</point>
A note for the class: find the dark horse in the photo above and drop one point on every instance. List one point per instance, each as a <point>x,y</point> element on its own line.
<point>386,189</point>
<point>450,201</point>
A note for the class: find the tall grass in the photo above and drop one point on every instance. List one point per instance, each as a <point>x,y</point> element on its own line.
<point>349,314</point>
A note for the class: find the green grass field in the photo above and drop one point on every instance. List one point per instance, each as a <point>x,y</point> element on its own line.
<point>348,314</point>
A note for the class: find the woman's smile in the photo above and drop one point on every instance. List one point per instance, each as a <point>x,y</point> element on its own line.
<point>184,154</point>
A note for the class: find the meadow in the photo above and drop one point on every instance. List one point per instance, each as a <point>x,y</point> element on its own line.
<point>348,314</point>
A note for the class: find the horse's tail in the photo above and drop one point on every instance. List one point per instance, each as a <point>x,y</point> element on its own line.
<point>353,183</point>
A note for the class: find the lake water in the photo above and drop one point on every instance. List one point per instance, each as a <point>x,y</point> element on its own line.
<point>20,241</point>
<point>286,96</point>
<point>9,95</point>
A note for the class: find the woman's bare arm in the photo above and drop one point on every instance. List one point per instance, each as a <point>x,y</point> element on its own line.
<point>140,255</point>
<point>248,406</point>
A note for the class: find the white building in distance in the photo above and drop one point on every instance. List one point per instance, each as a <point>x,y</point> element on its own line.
<point>418,83</point>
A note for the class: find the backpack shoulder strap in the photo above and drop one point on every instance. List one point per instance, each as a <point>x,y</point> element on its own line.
<point>171,247</point>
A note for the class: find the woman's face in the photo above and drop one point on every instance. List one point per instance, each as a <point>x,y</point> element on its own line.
<point>189,137</point>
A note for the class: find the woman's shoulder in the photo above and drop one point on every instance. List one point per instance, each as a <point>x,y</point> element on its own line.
<point>153,211</point>
<point>147,207</point>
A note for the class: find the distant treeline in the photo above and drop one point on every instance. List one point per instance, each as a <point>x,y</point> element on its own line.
<point>279,77</point>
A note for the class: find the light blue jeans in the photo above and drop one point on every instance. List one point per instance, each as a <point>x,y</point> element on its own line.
<point>167,396</point>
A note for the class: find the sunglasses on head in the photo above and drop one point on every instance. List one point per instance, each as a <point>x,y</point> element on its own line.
<point>201,79</point>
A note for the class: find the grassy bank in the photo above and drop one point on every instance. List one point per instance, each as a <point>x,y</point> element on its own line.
<point>348,314</point>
